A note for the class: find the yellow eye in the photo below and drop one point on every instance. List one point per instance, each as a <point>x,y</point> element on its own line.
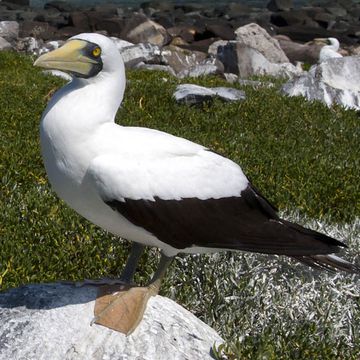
<point>96,52</point>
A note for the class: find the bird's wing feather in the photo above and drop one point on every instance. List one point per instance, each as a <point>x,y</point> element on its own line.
<point>203,200</point>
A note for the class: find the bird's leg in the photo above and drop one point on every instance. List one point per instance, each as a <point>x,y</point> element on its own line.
<point>128,273</point>
<point>127,276</point>
<point>123,310</point>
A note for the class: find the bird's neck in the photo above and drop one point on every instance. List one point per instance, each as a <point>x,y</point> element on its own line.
<point>84,104</point>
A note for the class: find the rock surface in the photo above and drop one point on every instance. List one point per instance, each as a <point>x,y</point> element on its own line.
<point>333,81</point>
<point>52,321</point>
<point>252,62</point>
<point>255,36</point>
<point>191,94</point>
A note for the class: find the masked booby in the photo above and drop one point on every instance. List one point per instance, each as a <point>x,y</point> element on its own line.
<point>330,50</point>
<point>150,187</point>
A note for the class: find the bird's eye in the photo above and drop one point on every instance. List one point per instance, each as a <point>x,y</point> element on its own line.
<point>96,52</point>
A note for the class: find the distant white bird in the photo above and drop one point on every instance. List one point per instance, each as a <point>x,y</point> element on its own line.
<point>329,51</point>
<point>151,187</point>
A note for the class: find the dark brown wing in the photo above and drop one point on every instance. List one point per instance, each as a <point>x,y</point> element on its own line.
<point>247,222</point>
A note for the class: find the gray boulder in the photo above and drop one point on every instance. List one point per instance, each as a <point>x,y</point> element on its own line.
<point>181,59</point>
<point>255,36</point>
<point>189,63</point>
<point>29,45</point>
<point>4,45</point>
<point>52,321</point>
<point>9,30</point>
<point>191,94</point>
<point>134,54</point>
<point>140,29</point>
<point>336,80</point>
<point>246,61</point>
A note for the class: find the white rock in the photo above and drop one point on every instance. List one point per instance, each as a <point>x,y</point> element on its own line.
<point>231,78</point>
<point>156,67</point>
<point>256,84</point>
<point>252,62</point>
<point>9,30</point>
<point>120,44</point>
<point>30,45</point>
<point>199,70</point>
<point>213,48</point>
<point>191,94</point>
<point>258,38</point>
<point>335,80</point>
<point>4,45</point>
<point>143,52</point>
<point>52,321</point>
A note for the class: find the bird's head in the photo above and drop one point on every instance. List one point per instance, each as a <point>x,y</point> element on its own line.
<point>333,42</point>
<point>84,56</point>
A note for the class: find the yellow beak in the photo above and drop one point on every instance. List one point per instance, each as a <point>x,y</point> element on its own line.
<point>71,57</point>
<point>321,41</point>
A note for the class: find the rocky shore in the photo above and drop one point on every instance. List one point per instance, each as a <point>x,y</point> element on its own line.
<point>235,41</point>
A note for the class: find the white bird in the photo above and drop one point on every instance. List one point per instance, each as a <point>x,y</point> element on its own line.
<point>149,186</point>
<point>330,50</point>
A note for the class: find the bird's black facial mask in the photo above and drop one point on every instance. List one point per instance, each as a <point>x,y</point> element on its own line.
<point>93,52</point>
<point>78,57</point>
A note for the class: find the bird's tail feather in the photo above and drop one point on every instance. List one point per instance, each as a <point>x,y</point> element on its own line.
<point>328,262</point>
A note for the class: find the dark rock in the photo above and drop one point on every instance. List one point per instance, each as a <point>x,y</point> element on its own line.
<point>140,29</point>
<point>288,18</point>
<point>113,26</point>
<point>66,32</point>
<point>53,17</point>
<point>325,19</point>
<point>159,5</point>
<point>63,6</point>
<point>337,11</point>
<point>164,19</point>
<point>226,53</point>
<point>8,15</point>
<point>237,9</point>
<point>178,41</point>
<point>36,29</point>
<point>186,32</point>
<point>339,26</point>
<point>80,20</point>
<point>16,4</point>
<point>106,9</point>
<point>224,32</point>
<point>27,15</point>
<point>307,53</point>
<point>280,5</point>
<point>201,45</point>
<point>305,34</point>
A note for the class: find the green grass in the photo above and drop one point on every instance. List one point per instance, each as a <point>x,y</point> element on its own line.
<point>303,157</point>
